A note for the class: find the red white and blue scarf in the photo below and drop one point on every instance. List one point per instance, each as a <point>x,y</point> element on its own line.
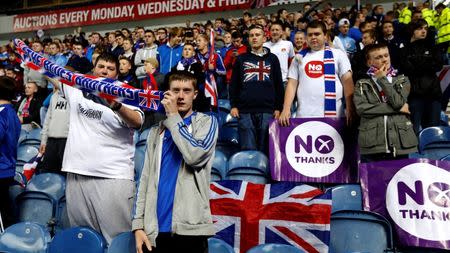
<point>106,88</point>
<point>330,107</point>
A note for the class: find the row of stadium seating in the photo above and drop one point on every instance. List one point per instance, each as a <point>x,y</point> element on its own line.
<point>19,237</point>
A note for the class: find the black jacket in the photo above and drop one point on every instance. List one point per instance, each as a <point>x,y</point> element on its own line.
<point>420,61</point>
<point>256,83</point>
<point>34,111</point>
<point>80,64</point>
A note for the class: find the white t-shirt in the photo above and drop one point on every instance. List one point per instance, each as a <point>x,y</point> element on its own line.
<point>311,84</point>
<point>99,143</point>
<point>284,50</point>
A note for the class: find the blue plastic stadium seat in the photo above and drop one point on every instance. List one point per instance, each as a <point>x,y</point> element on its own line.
<point>33,137</point>
<point>218,246</point>
<point>275,248</point>
<point>346,197</point>
<point>446,158</point>
<point>25,237</point>
<point>24,154</point>
<point>360,231</point>
<point>224,105</point>
<point>78,239</point>
<point>229,134</point>
<point>36,207</point>
<point>62,219</point>
<point>249,165</point>
<point>51,183</point>
<point>219,167</point>
<point>434,139</point>
<point>123,243</point>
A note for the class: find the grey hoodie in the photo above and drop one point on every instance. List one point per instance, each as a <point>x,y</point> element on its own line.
<point>191,210</point>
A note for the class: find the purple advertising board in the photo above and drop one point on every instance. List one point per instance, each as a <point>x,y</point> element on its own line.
<point>321,150</point>
<point>415,195</point>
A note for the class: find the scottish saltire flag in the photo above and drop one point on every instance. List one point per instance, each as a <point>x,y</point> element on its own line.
<point>102,87</point>
<point>247,214</point>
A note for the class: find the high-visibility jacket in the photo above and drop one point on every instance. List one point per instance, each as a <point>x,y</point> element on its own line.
<point>405,16</point>
<point>428,15</point>
<point>444,26</point>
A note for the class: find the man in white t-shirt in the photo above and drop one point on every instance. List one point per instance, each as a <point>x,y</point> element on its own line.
<point>307,77</point>
<point>283,49</point>
<point>99,157</point>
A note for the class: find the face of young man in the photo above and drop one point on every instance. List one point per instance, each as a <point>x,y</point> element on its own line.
<point>344,29</point>
<point>379,58</point>
<point>37,47</point>
<point>124,66</point>
<point>105,69</point>
<point>299,39</point>
<point>188,51</point>
<point>388,29</point>
<point>367,39</point>
<point>149,39</point>
<point>420,33</point>
<point>256,38</point>
<point>227,38</point>
<point>186,95</point>
<point>53,49</point>
<point>275,32</point>
<point>315,38</point>
<point>77,49</point>
<point>202,43</point>
<point>126,45</point>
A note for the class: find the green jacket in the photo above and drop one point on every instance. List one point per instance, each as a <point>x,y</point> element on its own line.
<point>383,127</point>
<point>405,16</point>
<point>428,15</point>
<point>443,26</point>
<point>191,210</point>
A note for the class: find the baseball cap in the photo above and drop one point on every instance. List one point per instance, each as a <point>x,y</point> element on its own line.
<point>343,21</point>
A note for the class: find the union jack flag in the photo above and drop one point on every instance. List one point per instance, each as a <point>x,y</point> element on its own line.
<point>259,71</point>
<point>247,214</point>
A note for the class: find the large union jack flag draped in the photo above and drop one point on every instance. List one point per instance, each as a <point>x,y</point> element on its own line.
<point>246,215</point>
<point>259,71</point>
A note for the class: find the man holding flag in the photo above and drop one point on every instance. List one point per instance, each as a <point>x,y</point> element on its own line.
<point>99,155</point>
<point>256,92</point>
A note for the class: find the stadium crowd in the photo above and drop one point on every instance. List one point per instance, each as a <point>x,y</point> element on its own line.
<point>375,68</point>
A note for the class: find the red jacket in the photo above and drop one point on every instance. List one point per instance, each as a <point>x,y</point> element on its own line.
<point>230,58</point>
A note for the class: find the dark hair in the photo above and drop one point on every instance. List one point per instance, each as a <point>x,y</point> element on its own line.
<point>373,47</point>
<point>440,6</point>
<point>247,14</point>
<point>7,88</point>
<point>108,58</point>
<point>236,35</point>
<point>183,76</point>
<point>371,32</point>
<point>150,31</point>
<point>77,43</point>
<point>277,23</point>
<point>317,24</point>
<point>416,25</point>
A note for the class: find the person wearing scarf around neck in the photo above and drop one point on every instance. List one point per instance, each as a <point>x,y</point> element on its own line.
<point>385,131</point>
<point>321,78</point>
<point>29,107</point>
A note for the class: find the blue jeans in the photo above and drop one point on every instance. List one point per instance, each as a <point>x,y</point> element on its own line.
<point>254,131</point>
<point>424,113</point>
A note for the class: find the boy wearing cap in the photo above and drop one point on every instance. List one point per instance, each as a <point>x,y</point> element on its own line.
<point>347,41</point>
